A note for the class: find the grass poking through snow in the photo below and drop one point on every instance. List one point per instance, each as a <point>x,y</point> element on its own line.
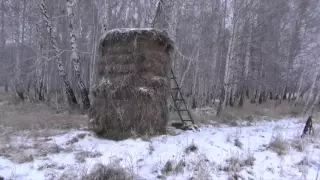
<point>279,145</point>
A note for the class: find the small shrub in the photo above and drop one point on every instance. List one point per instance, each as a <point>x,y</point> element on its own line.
<point>235,176</point>
<point>172,167</point>
<point>295,111</point>
<point>168,168</point>
<point>229,138</point>
<point>249,161</point>
<point>279,145</point>
<point>46,166</point>
<point>191,148</point>
<point>23,158</point>
<point>238,143</point>
<point>82,155</point>
<point>304,161</point>
<point>109,172</point>
<point>299,144</point>
<point>151,148</point>
<point>146,137</point>
<point>180,166</point>
<point>115,135</point>
<point>233,165</point>
<point>236,163</point>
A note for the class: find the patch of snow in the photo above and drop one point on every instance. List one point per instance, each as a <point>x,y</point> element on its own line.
<point>215,146</point>
<point>143,89</point>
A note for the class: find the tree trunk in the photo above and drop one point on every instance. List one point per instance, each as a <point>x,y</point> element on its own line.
<point>19,55</point>
<point>312,91</point>
<point>248,52</point>
<point>75,56</point>
<point>106,21</point>
<point>3,43</point>
<point>94,49</point>
<point>62,73</point>
<point>39,64</point>
<point>229,59</point>
<point>300,86</point>
<point>296,40</point>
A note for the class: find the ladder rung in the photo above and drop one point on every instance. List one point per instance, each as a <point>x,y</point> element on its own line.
<point>175,97</point>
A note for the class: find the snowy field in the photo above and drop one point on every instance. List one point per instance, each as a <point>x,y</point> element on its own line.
<point>268,150</point>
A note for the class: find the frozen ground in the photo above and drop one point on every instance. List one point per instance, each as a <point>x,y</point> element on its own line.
<point>268,150</point>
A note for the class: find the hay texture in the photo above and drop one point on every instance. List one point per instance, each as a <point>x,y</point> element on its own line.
<point>132,86</point>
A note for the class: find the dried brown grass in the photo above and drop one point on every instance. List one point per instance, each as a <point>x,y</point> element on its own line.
<point>25,115</point>
<point>26,127</point>
<point>249,113</point>
<point>279,145</point>
<point>109,172</point>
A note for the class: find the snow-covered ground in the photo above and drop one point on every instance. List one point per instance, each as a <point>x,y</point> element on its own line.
<point>217,153</point>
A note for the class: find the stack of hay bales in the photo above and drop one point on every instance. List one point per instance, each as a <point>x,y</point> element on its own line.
<point>132,86</point>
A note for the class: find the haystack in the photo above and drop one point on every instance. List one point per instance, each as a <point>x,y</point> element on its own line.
<point>132,86</point>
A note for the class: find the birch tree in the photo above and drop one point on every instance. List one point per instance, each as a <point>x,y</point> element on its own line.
<point>302,7</point>
<point>75,56</point>
<point>3,39</point>
<point>106,18</point>
<point>312,93</point>
<point>62,72</point>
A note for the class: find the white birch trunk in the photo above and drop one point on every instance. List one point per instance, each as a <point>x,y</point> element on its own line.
<point>227,85</point>
<point>75,56</point>
<point>312,91</point>
<point>19,55</point>
<point>106,21</point>
<point>62,72</point>
<point>300,86</point>
<point>39,64</point>
<point>194,84</point>
<point>94,51</point>
<point>248,50</point>
<point>3,41</point>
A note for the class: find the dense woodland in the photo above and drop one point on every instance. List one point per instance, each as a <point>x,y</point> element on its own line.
<point>227,50</point>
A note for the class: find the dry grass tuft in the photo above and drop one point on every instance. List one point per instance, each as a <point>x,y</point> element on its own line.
<point>167,168</point>
<point>248,113</point>
<point>191,148</point>
<point>299,144</point>
<point>173,167</point>
<point>179,168</point>
<point>235,176</point>
<point>279,145</point>
<point>236,163</point>
<point>81,156</point>
<point>150,148</point>
<point>23,158</point>
<point>28,115</point>
<point>109,172</point>
<point>238,143</point>
<point>304,162</point>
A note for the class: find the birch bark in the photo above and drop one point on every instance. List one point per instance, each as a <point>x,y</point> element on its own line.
<point>61,70</point>
<point>75,56</point>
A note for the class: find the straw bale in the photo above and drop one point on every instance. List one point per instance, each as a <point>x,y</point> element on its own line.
<point>132,86</point>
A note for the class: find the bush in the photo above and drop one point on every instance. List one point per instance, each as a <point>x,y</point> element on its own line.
<point>279,145</point>
<point>109,172</point>
<point>191,148</point>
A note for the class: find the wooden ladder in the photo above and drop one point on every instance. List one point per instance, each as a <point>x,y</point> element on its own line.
<point>179,102</point>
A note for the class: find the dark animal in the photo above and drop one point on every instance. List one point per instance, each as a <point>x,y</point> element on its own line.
<point>308,129</point>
